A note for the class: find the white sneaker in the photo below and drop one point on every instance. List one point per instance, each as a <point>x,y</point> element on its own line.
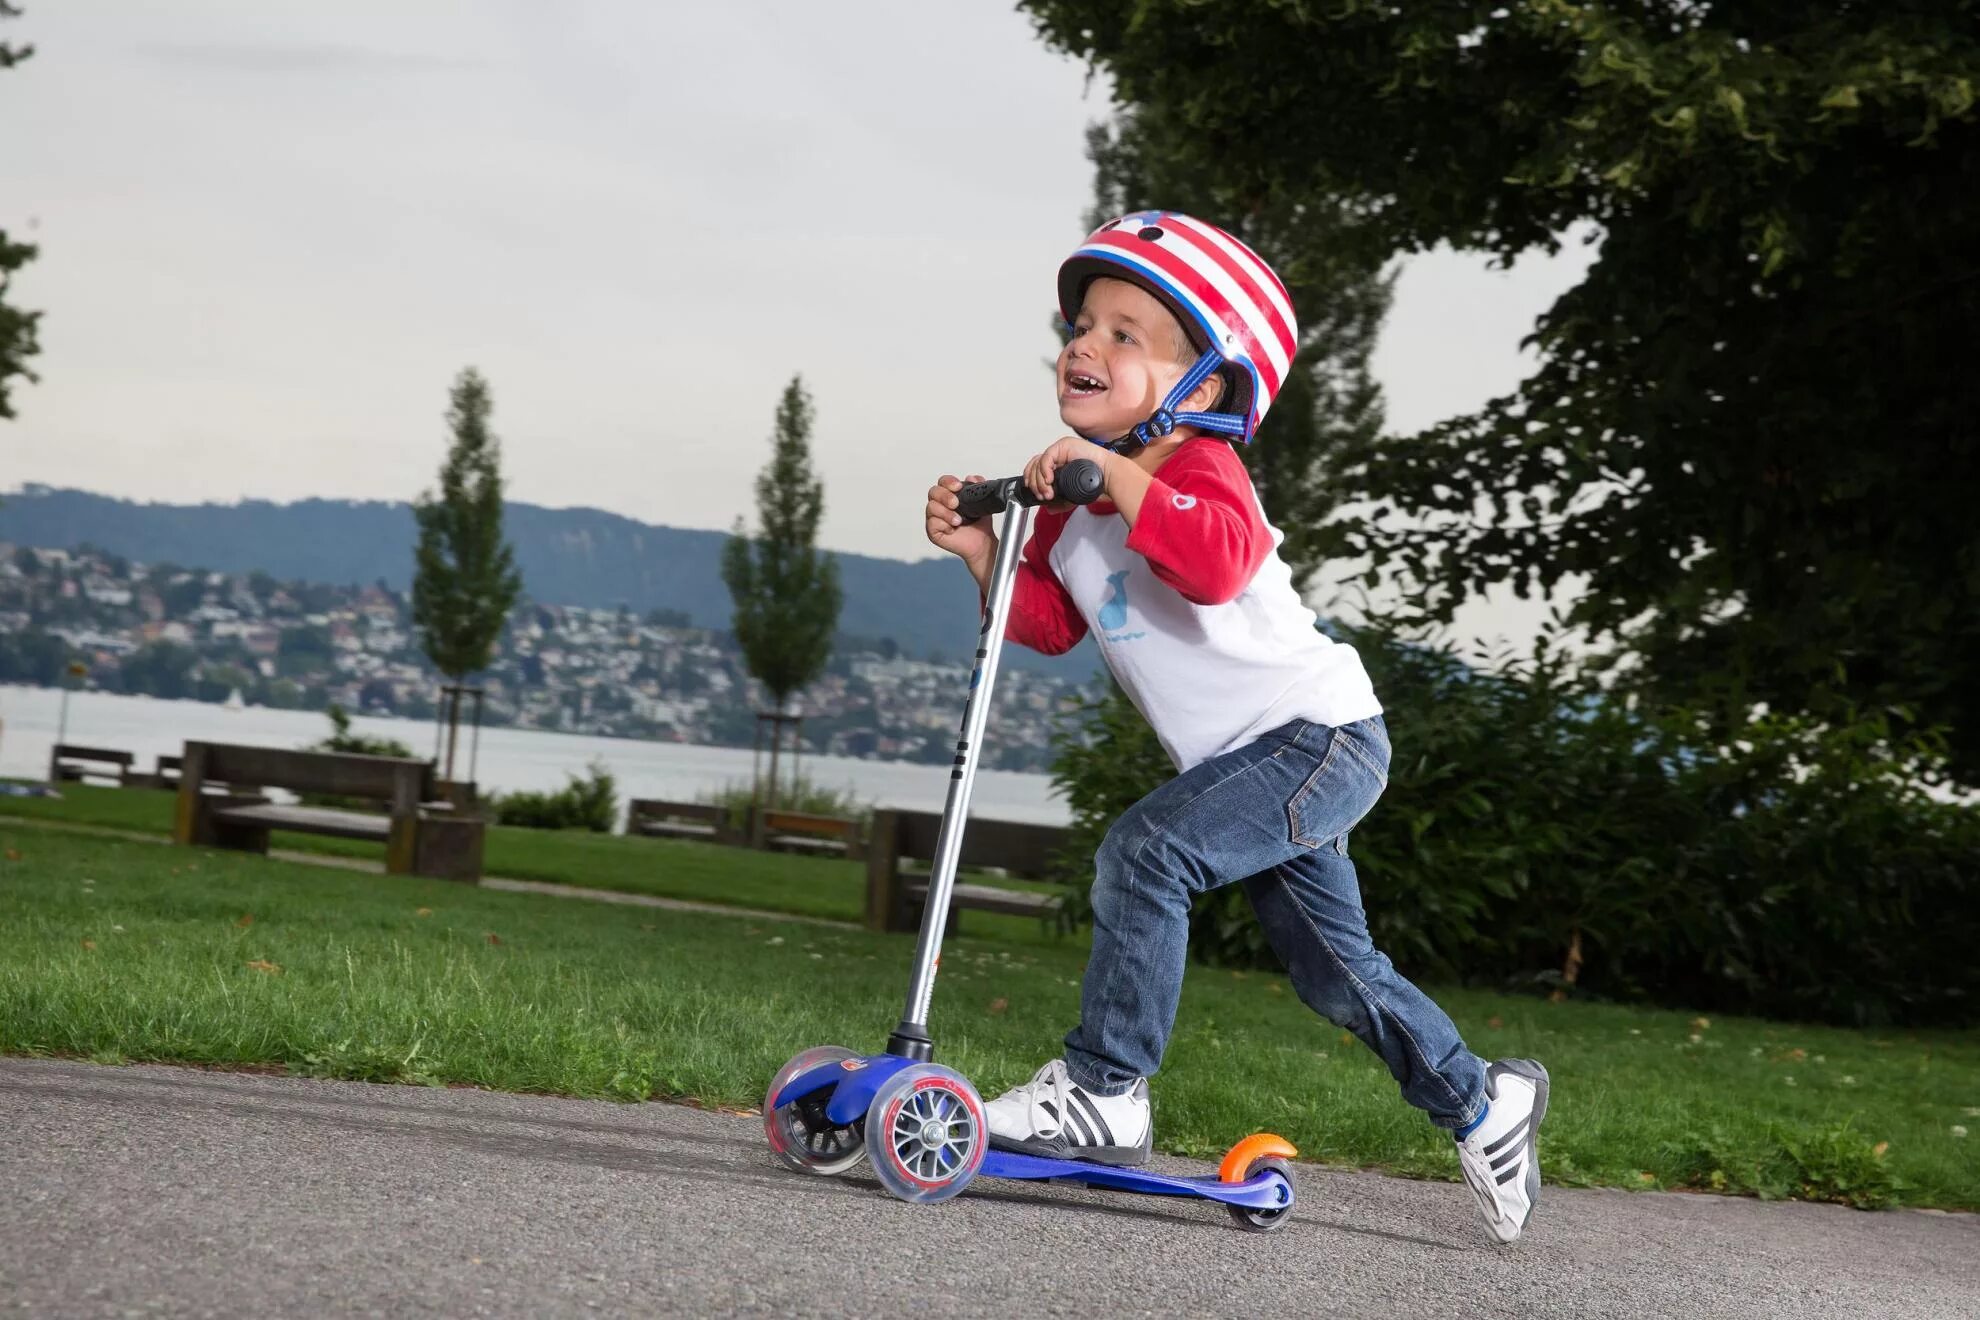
<point>1498,1155</point>
<point>1054,1116</point>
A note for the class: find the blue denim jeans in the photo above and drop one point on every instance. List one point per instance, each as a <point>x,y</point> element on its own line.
<point>1274,814</point>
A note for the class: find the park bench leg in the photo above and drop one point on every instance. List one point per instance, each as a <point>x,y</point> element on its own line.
<point>450,850</point>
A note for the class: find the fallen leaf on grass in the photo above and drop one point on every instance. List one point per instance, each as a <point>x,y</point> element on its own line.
<point>1700,1023</point>
<point>13,854</point>
<point>999,1005</point>
<point>1346,1039</point>
<point>263,965</point>
<point>1879,1149</point>
<point>1495,1022</point>
<point>422,912</point>
<point>492,937</point>
<point>1275,988</point>
<point>89,944</point>
<point>1646,1177</point>
<point>247,919</point>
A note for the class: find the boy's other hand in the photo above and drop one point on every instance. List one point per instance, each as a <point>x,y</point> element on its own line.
<point>1040,471</point>
<point>972,542</point>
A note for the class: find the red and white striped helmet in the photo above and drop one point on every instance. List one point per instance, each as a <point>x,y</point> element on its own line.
<point>1226,297</point>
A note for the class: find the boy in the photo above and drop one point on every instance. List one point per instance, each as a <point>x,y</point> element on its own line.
<point>1181,336</point>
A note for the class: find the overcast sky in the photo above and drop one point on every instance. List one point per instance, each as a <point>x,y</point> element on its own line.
<point>272,233</point>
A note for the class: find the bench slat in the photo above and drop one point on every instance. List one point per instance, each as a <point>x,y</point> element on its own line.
<point>72,752</point>
<point>309,820</point>
<point>989,898</point>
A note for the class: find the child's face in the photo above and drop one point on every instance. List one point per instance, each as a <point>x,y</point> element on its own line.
<point>1126,353</point>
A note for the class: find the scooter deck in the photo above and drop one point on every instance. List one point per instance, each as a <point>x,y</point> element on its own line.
<point>1260,1193</point>
<point>854,1082</point>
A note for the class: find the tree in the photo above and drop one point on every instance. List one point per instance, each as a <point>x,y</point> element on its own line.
<point>464,578</point>
<point>786,593</point>
<point>17,328</point>
<point>1752,431</point>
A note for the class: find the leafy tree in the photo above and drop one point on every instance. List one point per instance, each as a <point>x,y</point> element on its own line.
<point>17,328</point>
<point>304,650</point>
<point>1752,430</point>
<point>786,592</point>
<point>464,579</point>
<point>160,669</point>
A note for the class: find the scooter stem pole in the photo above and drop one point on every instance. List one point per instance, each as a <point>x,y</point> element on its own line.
<point>911,1039</point>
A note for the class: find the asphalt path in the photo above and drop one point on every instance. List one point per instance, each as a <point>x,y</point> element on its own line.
<point>165,1191</point>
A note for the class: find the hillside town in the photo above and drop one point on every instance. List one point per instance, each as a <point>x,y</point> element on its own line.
<point>185,633</point>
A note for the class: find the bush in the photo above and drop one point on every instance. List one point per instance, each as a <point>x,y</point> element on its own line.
<point>341,739</point>
<point>1536,823</point>
<point>588,802</point>
<point>803,794</point>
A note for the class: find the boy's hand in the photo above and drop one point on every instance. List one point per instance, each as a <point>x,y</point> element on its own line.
<point>973,542</point>
<point>1038,473</point>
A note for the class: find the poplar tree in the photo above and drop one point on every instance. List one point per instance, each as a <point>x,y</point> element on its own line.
<point>17,328</point>
<point>465,580</point>
<point>786,591</point>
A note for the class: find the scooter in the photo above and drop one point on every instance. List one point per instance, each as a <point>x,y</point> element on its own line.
<point>922,1124</point>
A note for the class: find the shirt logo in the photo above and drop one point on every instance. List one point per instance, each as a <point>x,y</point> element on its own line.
<point>1114,612</point>
<point>1182,501</point>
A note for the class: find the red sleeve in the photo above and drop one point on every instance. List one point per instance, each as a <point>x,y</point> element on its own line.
<point>1199,526</point>
<point>1043,616</point>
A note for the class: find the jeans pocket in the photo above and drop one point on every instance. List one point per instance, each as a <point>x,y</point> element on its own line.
<point>1335,796</point>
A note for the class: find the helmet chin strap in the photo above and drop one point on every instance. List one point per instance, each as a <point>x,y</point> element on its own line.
<point>1165,419</point>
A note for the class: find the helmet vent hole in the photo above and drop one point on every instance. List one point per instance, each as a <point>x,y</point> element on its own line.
<point>1149,233</point>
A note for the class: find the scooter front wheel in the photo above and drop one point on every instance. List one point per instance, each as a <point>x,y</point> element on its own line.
<point>799,1132</point>
<point>926,1133</point>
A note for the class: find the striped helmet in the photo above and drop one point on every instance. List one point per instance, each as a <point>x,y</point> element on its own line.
<point>1228,300</point>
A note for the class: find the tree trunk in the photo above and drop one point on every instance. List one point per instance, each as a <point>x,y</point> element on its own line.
<point>776,741</point>
<point>453,729</point>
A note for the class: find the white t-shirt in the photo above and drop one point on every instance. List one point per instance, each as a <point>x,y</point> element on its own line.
<point>1194,611</point>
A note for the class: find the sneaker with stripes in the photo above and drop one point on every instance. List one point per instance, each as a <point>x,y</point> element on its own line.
<point>1500,1160</point>
<point>1053,1115</point>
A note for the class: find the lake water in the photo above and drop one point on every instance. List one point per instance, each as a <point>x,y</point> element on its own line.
<point>510,759</point>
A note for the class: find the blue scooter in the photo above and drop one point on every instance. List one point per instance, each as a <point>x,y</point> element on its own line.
<point>920,1123</point>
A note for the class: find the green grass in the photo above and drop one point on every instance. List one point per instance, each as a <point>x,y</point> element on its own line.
<point>667,868</point>
<point>115,950</point>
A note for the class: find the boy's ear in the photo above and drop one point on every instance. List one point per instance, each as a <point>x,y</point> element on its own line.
<point>1205,397</point>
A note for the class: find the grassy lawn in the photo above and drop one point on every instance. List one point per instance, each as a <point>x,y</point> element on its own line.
<point>668,868</point>
<point>116,950</point>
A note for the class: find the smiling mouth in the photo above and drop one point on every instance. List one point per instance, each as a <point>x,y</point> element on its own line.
<point>1079,385</point>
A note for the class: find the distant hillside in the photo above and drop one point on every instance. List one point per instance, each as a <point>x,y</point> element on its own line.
<point>568,557</point>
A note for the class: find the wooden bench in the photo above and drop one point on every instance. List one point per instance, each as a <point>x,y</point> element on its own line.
<point>70,764</point>
<point>802,832</point>
<point>421,836</point>
<point>680,820</point>
<point>164,775</point>
<point>898,857</point>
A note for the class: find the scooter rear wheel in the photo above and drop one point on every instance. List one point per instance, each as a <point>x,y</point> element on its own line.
<point>799,1132</point>
<point>1265,1221</point>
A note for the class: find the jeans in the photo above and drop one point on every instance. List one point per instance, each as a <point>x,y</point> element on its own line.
<point>1274,814</point>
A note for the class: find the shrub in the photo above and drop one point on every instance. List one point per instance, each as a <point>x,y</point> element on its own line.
<point>341,739</point>
<point>802,794</point>
<point>1539,831</point>
<point>588,802</point>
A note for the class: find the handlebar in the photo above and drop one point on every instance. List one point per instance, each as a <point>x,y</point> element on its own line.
<point>1078,482</point>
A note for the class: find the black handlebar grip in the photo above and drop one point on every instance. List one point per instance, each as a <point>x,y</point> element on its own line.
<point>980,499</point>
<point>1078,482</point>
